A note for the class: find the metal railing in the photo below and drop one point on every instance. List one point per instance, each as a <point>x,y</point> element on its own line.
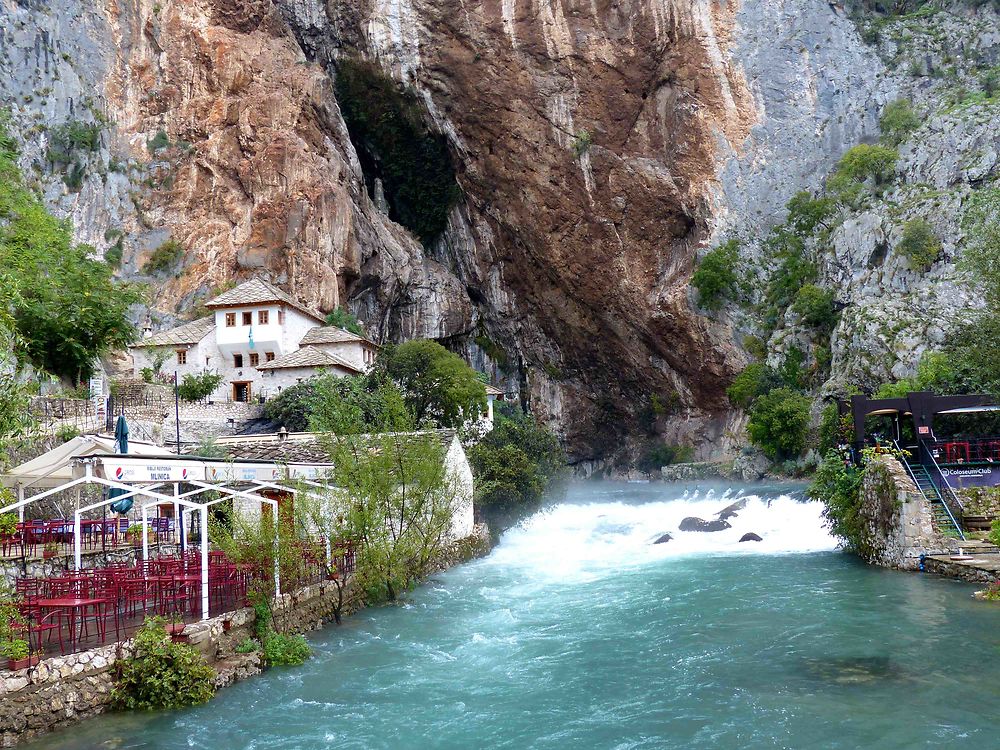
<point>957,524</point>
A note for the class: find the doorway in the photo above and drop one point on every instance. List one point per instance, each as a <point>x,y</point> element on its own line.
<point>241,392</point>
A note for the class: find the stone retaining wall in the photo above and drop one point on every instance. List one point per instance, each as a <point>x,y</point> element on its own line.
<point>959,572</point>
<point>65,689</point>
<point>38,567</point>
<point>898,518</point>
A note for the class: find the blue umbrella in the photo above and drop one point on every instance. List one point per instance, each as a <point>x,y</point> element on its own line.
<point>121,446</point>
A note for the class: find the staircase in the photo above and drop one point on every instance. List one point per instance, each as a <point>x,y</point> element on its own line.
<point>943,522</point>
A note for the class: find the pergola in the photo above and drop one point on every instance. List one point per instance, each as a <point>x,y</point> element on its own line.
<point>148,477</point>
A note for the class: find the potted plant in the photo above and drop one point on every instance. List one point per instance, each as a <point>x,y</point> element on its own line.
<point>51,549</point>
<point>17,653</point>
<point>176,625</point>
<point>134,534</point>
<point>8,524</point>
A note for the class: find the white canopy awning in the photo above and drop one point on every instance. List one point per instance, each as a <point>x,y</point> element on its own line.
<point>55,467</point>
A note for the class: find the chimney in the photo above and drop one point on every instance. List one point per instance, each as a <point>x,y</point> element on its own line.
<point>282,434</point>
<point>147,329</point>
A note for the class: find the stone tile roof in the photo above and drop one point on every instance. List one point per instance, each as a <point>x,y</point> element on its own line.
<point>189,333</point>
<point>492,390</point>
<point>331,335</point>
<point>256,292</point>
<point>308,356</point>
<point>309,447</point>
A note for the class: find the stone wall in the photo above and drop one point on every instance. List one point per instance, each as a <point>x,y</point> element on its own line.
<point>37,567</point>
<point>898,519</point>
<point>65,689</point>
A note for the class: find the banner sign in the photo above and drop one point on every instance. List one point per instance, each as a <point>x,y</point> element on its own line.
<point>971,476</point>
<point>151,470</point>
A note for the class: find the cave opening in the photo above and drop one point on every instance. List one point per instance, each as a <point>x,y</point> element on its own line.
<point>388,126</point>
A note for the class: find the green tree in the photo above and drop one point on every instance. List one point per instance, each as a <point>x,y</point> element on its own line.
<point>197,387</point>
<point>342,405</point>
<point>779,423</point>
<point>397,501</point>
<point>715,278</point>
<point>919,244</point>
<point>864,165</point>
<point>66,308</point>
<point>343,318</point>
<point>438,386</point>
<point>838,487</point>
<point>514,465</point>
<point>898,121</point>
<point>806,213</point>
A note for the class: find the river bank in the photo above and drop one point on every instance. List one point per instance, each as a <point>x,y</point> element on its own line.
<point>577,631</point>
<point>64,690</point>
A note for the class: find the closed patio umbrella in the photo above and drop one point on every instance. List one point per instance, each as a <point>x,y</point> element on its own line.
<point>121,446</point>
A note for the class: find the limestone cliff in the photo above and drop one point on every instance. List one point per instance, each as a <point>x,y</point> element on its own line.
<point>598,148</point>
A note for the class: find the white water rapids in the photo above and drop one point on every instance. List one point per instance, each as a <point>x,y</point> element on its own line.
<point>581,540</point>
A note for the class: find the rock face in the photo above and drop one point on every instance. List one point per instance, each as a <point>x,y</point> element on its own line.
<point>751,537</point>
<point>663,539</point>
<point>699,524</point>
<point>598,147</point>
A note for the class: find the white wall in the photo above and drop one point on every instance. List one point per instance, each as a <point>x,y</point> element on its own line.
<point>356,353</point>
<point>460,473</point>
<point>273,382</point>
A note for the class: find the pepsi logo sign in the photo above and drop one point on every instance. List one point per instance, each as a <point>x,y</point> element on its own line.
<point>119,472</point>
<point>184,473</point>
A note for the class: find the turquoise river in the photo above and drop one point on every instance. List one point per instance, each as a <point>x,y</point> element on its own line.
<point>577,632</point>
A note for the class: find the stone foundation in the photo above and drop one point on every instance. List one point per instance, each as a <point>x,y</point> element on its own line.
<point>899,520</point>
<point>65,689</point>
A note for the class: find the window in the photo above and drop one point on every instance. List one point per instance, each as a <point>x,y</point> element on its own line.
<point>208,361</point>
<point>281,317</point>
<point>262,318</point>
<point>268,356</point>
<point>248,318</point>
<point>237,360</point>
<point>254,359</point>
<point>182,357</point>
<point>230,320</point>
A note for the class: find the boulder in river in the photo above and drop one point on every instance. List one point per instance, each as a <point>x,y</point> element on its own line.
<point>663,539</point>
<point>731,511</point>
<point>750,537</point>
<point>700,524</point>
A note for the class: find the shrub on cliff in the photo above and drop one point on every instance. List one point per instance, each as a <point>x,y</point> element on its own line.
<point>755,380</point>
<point>898,121</point>
<point>779,423</point>
<point>816,307</point>
<point>919,244</point>
<point>715,278</point>
<point>161,674</point>
<point>865,164</point>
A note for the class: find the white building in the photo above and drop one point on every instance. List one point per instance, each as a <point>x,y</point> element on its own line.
<point>300,448</point>
<point>260,340</point>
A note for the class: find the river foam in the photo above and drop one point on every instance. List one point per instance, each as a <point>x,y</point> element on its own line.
<point>598,534</point>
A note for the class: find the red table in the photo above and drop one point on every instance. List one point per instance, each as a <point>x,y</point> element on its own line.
<point>73,607</point>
